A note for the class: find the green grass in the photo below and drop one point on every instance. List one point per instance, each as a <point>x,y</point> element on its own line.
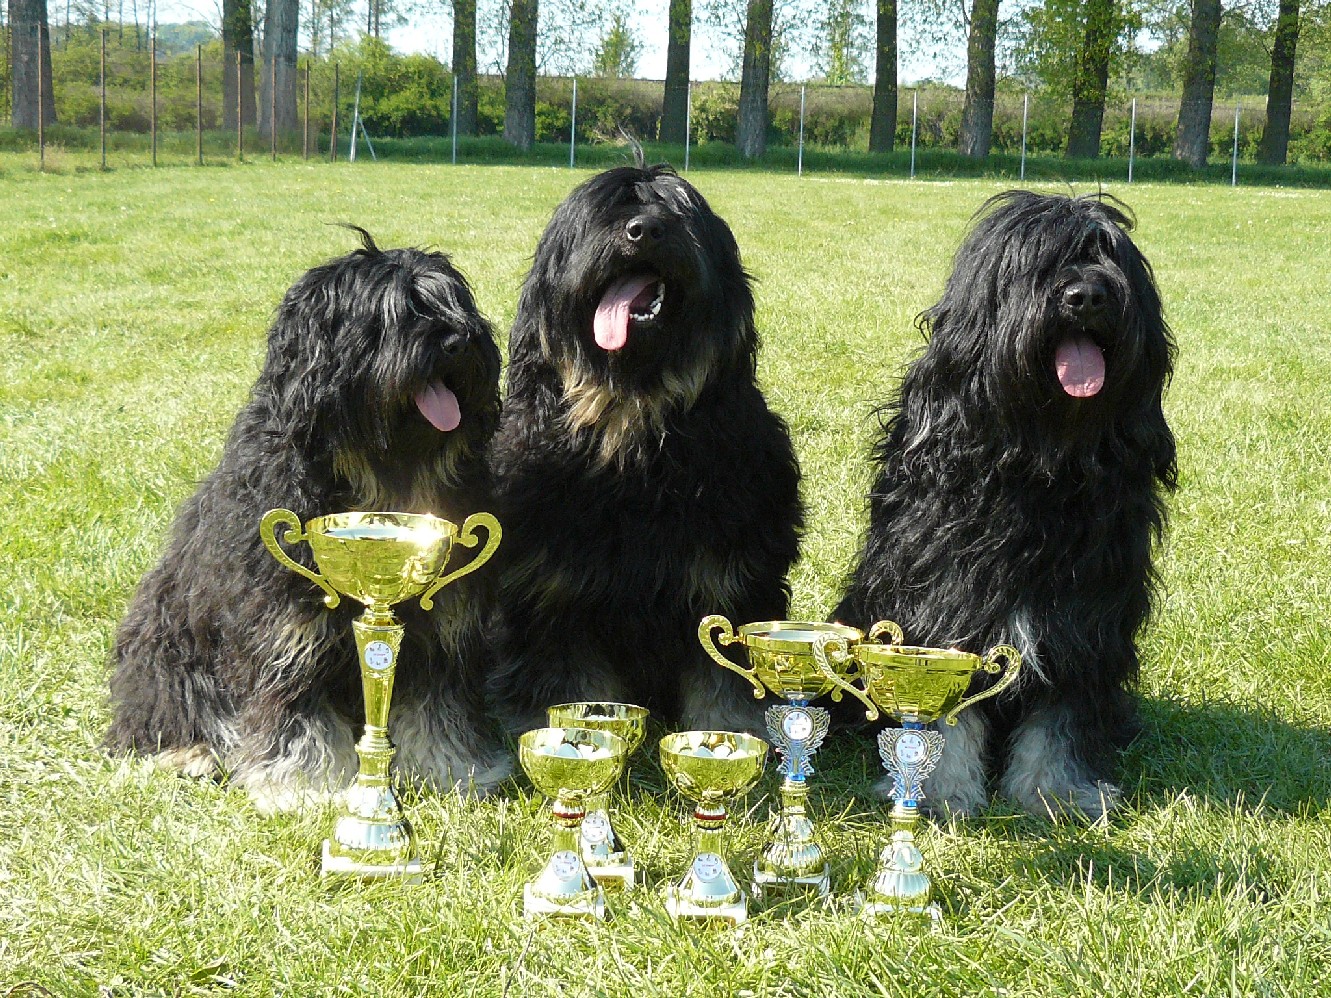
<point>133,306</point>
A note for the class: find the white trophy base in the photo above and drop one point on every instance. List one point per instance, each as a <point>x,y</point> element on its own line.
<point>764,881</point>
<point>884,909</point>
<point>411,872</point>
<point>680,907</point>
<point>535,906</point>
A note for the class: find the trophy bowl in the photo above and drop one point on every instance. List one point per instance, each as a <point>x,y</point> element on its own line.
<point>781,659</point>
<point>568,765</point>
<point>916,686</point>
<point>608,859</point>
<point>378,559</point>
<point>709,768</point>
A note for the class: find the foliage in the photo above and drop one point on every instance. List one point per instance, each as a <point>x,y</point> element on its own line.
<point>618,51</point>
<point>843,45</point>
<point>1050,37</point>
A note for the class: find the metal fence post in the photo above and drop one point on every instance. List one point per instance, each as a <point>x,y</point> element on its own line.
<point>332,142</point>
<point>305,143</point>
<point>198,100</point>
<point>1234,170</point>
<point>1025,116</point>
<point>240,111</point>
<point>573,125</point>
<point>455,119</point>
<point>688,121</point>
<point>800,167</point>
<point>102,120</point>
<point>41,104</point>
<point>914,128</point>
<point>1132,138</point>
<point>272,104</point>
<point>152,61</point>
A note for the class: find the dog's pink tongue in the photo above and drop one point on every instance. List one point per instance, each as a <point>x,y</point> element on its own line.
<point>611,326</point>
<point>1080,366</point>
<point>440,407</point>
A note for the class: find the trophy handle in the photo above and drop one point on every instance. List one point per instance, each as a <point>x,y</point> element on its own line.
<point>887,627</point>
<point>268,533</point>
<point>1011,657</point>
<point>468,539</point>
<point>829,646</point>
<point>716,622</point>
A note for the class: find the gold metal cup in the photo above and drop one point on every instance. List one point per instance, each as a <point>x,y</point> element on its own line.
<point>781,659</point>
<point>709,768</point>
<point>569,765</point>
<point>917,686</point>
<point>378,559</point>
<point>608,859</point>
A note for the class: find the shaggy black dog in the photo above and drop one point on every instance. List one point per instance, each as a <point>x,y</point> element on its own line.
<point>1022,470</point>
<point>643,482</point>
<point>380,391</point>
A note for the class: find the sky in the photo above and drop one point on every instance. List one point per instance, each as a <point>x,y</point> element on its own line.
<point>432,33</point>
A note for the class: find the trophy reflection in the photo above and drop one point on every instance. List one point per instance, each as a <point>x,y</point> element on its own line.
<point>608,859</point>
<point>780,654</point>
<point>569,765</point>
<point>378,559</point>
<point>917,686</point>
<point>709,768</point>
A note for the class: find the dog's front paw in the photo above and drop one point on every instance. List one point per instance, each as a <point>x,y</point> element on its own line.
<point>198,762</point>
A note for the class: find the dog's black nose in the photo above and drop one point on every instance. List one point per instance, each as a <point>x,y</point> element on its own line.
<point>645,229</point>
<point>1083,299</point>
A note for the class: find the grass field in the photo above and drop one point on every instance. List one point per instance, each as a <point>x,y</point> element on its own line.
<point>133,306</point>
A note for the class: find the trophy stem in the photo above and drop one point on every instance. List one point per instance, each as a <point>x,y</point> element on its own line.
<point>607,857</point>
<point>709,890</point>
<point>792,857</point>
<point>564,887</point>
<point>900,885</point>
<point>372,838</point>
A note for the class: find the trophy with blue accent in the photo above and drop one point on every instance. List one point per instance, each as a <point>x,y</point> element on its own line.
<point>917,686</point>
<point>781,659</point>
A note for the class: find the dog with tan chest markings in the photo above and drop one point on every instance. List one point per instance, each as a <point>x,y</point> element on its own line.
<point>642,480</point>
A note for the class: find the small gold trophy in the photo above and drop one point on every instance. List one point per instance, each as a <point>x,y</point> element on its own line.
<point>607,857</point>
<point>378,559</point>
<point>709,767</point>
<point>780,654</point>
<point>917,686</point>
<point>569,765</point>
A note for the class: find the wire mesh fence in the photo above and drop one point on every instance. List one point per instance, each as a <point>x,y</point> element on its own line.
<point>200,103</point>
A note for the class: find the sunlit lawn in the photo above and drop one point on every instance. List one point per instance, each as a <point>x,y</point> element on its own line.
<point>133,306</point>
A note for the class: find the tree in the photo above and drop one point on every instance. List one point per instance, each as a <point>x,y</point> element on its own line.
<point>883,121</point>
<point>237,36</point>
<point>617,54</point>
<point>1280,91</point>
<point>977,112</point>
<point>674,105</point>
<point>751,129</point>
<point>1192,141</point>
<point>29,47</point>
<point>281,24</point>
<point>464,64</point>
<point>1092,79</point>
<point>520,79</point>
<point>840,45</point>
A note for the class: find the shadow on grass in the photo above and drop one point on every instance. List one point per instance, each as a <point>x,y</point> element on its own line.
<point>178,148</point>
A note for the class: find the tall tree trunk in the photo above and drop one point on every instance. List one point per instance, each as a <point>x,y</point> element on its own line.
<point>675,103</point>
<point>281,24</point>
<point>464,64</point>
<point>977,113</point>
<point>1092,80</point>
<point>520,78</point>
<point>1193,139</point>
<point>1280,93</point>
<point>751,128</point>
<point>28,35</point>
<point>883,122</point>
<point>237,36</point>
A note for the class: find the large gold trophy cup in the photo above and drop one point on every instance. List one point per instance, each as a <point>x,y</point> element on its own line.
<point>709,768</point>
<point>571,766</point>
<point>917,686</point>
<point>378,559</point>
<point>608,859</point>
<point>781,659</point>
